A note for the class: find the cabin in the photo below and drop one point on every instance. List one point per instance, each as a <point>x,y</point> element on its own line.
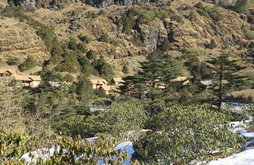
<point>181,79</point>
<point>28,81</point>
<point>107,89</point>
<point>160,85</point>
<point>7,74</point>
<point>117,81</point>
<point>98,82</point>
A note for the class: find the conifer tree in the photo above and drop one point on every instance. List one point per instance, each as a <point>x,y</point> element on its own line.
<point>225,78</point>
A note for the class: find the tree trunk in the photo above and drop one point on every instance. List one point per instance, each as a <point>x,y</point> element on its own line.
<point>220,87</point>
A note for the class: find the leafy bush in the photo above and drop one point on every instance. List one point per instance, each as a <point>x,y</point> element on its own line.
<point>72,45</point>
<point>91,55</point>
<point>28,64</point>
<point>142,15</point>
<point>13,61</point>
<point>81,48</point>
<point>241,5</point>
<point>196,51</point>
<point>103,68</point>
<point>249,34</point>
<point>125,69</point>
<point>104,37</point>
<point>84,38</point>
<point>180,139</point>
<point>69,63</point>
<point>85,65</point>
<point>210,12</point>
<point>69,78</point>
<point>176,18</point>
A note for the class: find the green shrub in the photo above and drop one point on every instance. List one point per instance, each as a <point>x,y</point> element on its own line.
<point>125,69</point>
<point>212,44</point>
<point>210,12</point>
<point>103,68</point>
<point>84,38</point>
<point>91,55</point>
<point>250,35</point>
<point>81,47</point>
<point>27,64</point>
<point>104,37</point>
<point>69,63</point>
<point>69,78</point>
<point>141,15</point>
<point>13,61</point>
<point>241,5</point>
<point>72,45</point>
<point>196,51</point>
<point>176,18</point>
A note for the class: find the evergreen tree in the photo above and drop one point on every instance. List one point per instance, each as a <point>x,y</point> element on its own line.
<point>225,77</point>
<point>85,66</point>
<point>69,63</point>
<point>157,68</point>
<point>103,68</point>
<point>84,90</point>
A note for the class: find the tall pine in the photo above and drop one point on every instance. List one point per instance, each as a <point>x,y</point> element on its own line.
<point>225,77</point>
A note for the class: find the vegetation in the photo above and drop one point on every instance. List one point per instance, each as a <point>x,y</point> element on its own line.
<point>164,108</point>
<point>145,15</point>
<point>181,139</point>
<point>103,69</point>
<point>28,64</point>
<point>211,12</point>
<point>224,76</point>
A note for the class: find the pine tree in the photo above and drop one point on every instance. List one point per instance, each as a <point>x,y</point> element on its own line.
<point>225,78</point>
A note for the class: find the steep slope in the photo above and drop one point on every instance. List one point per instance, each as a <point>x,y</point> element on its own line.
<point>18,40</point>
<point>186,25</point>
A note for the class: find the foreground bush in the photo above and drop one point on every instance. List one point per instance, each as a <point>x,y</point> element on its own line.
<point>187,133</point>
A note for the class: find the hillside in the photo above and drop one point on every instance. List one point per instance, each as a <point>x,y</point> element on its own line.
<point>124,36</point>
<point>187,28</point>
<point>19,40</point>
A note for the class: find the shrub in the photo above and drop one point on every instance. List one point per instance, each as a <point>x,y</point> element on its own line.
<point>125,69</point>
<point>250,35</point>
<point>13,61</point>
<point>91,55</point>
<point>103,68</point>
<point>212,44</point>
<point>28,64</point>
<point>69,78</point>
<point>84,38</point>
<point>81,47</point>
<point>104,37</point>
<point>176,18</point>
<point>210,12</point>
<point>196,51</point>
<point>72,45</point>
<point>85,66</point>
<point>142,15</point>
<point>69,63</point>
<point>241,5</point>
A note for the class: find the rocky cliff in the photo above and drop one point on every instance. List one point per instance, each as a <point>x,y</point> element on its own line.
<point>18,40</point>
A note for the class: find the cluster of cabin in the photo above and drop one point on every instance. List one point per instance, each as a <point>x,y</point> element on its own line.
<point>11,76</point>
<point>112,89</point>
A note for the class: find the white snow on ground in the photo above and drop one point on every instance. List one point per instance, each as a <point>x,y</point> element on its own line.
<point>248,135</point>
<point>243,158</point>
<point>46,153</point>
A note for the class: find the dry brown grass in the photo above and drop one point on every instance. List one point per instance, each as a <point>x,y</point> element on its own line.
<point>246,94</point>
